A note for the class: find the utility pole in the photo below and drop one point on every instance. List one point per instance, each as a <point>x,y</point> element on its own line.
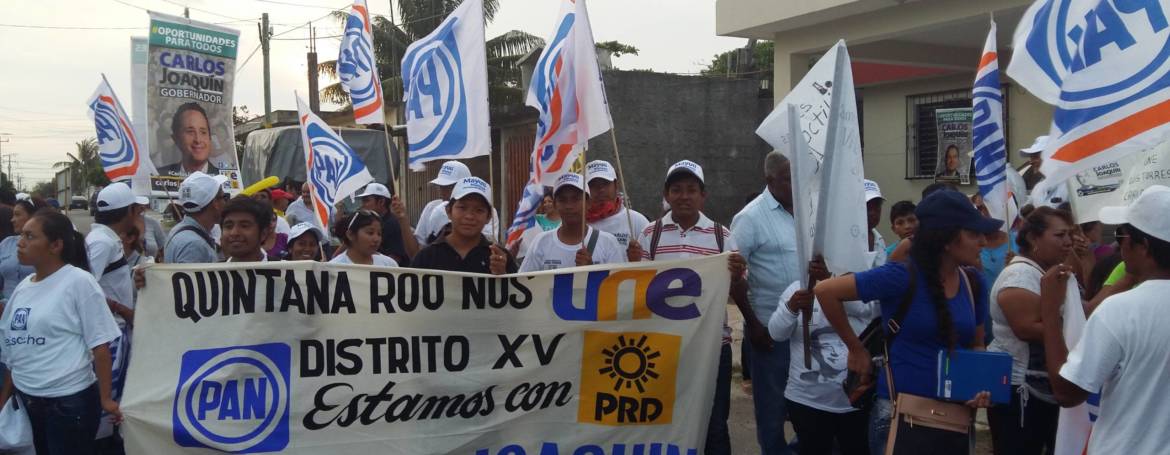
<point>186,12</point>
<point>265,34</point>
<point>314,97</point>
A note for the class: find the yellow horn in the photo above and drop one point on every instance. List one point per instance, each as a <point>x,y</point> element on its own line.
<point>257,187</point>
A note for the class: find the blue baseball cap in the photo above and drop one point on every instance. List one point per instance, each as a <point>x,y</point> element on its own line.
<point>951,209</point>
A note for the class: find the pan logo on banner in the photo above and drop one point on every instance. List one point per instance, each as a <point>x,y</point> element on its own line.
<point>190,81</point>
<point>234,399</point>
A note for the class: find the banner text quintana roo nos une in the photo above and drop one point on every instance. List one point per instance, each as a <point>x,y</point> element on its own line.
<point>301,357</point>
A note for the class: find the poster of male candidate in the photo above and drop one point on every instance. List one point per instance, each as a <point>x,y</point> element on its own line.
<point>954,144</point>
<point>191,73</point>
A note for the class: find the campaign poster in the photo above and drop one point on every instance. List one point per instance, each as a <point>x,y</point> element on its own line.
<point>190,79</point>
<point>954,145</point>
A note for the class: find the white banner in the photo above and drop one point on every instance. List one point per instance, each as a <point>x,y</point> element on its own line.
<point>303,357</point>
<point>831,168</point>
<point>1118,183</point>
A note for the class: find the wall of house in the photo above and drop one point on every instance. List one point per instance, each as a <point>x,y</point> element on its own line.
<point>660,119</point>
<point>885,133</point>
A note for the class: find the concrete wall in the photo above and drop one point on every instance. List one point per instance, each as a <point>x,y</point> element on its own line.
<point>884,115</point>
<point>661,119</point>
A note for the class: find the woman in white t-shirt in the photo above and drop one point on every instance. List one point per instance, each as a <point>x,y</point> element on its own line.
<point>361,236</point>
<point>1027,425</point>
<point>56,329</point>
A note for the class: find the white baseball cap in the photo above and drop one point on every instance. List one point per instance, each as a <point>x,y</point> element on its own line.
<point>451,173</point>
<point>468,186</point>
<point>376,189</point>
<point>570,179</point>
<point>301,228</point>
<point>118,195</point>
<point>1147,213</point>
<point>23,197</point>
<point>1036,147</point>
<point>872,191</point>
<point>687,166</point>
<point>599,169</point>
<point>199,189</point>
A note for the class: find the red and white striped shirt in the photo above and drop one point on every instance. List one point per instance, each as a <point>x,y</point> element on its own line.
<point>677,243</point>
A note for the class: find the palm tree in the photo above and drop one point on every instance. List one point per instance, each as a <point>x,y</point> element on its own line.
<point>85,166</point>
<point>419,18</point>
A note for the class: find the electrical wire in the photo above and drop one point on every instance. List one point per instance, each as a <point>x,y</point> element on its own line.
<point>206,11</point>
<point>302,5</point>
<point>246,60</point>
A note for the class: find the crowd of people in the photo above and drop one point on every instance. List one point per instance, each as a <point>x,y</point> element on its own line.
<point>954,279</point>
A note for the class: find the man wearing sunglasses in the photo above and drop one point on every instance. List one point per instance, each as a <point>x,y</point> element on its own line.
<point>1122,350</point>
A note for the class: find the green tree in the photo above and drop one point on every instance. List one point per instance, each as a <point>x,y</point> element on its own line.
<point>418,18</point>
<point>616,48</point>
<point>84,165</point>
<point>47,189</point>
<point>763,56</point>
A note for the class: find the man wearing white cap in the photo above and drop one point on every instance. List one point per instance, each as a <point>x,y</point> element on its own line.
<point>201,196</point>
<point>434,217</point>
<point>685,232</point>
<point>1032,176</point>
<point>466,249</point>
<point>1123,348</point>
<point>573,243</point>
<point>449,174</point>
<point>873,215</point>
<point>115,215</point>
<point>398,241</point>
<point>606,211</point>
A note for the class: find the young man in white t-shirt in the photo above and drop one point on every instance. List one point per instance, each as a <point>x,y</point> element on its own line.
<point>116,213</point>
<point>606,211</point>
<point>685,232</point>
<point>570,245</point>
<point>434,215</point>
<point>1122,353</point>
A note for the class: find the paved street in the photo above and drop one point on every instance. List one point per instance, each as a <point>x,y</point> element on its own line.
<point>81,220</point>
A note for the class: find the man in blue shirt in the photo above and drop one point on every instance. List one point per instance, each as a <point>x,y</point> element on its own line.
<point>765,233</point>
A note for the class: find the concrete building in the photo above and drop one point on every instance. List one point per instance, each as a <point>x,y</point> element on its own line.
<point>909,58</point>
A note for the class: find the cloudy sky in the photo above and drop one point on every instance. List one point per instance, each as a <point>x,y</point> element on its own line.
<point>48,73</point>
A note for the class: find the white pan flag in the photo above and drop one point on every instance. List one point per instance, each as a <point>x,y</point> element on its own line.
<point>1105,65</point>
<point>358,69</point>
<point>990,146</point>
<point>119,148</point>
<point>446,91</point>
<point>331,166</point>
<point>827,107</point>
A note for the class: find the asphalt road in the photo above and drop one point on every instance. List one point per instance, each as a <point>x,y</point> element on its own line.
<point>81,220</point>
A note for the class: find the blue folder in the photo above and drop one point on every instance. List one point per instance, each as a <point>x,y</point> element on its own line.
<point>964,373</point>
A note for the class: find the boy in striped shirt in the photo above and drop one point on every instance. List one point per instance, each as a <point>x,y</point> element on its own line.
<point>685,232</point>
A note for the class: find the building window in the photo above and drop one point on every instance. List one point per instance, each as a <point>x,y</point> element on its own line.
<point>922,135</point>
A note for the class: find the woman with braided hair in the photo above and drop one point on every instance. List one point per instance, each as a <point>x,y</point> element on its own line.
<point>931,303</point>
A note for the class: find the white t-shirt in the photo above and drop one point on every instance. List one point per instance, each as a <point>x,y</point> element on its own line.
<point>618,225</point>
<point>820,386</point>
<point>438,218</point>
<point>104,247</point>
<point>50,328</point>
<point>549,253</point>
<point>1021,273</point>
<point>1123,353</point>
<point>380,260</point>
<point>422,228</point>
<point>282,226</point>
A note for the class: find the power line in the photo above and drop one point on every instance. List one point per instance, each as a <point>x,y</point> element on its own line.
<point>67,27</point>
<point>246,60</point>
<point>207,12</point>
<point>277,2</point>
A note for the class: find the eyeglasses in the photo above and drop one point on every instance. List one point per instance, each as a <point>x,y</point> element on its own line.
<point>359,213</point>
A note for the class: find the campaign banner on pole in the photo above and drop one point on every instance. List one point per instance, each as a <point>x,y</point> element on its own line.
<point>1118,182</point>
<point>305,357</point>
<point>189,86</point>
<point>954,143</point>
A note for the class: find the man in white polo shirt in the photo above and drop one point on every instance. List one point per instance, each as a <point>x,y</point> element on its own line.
<point>606,210</point>
<point>573,243</point>
<point>115,215</point>
<point>686,232</point>
<point>434,217</point>
<point>1122,353</point>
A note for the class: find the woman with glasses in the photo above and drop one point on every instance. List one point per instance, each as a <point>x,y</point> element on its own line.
<point>361,236</point>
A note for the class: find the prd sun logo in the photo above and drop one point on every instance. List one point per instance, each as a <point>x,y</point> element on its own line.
<point>628,378</point>
<point>630,363</point>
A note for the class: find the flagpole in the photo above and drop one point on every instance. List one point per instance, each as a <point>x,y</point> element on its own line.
<point>492,185</point>
<point>390,154</point>
<point>584,198</point>
<point>618,158</point>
